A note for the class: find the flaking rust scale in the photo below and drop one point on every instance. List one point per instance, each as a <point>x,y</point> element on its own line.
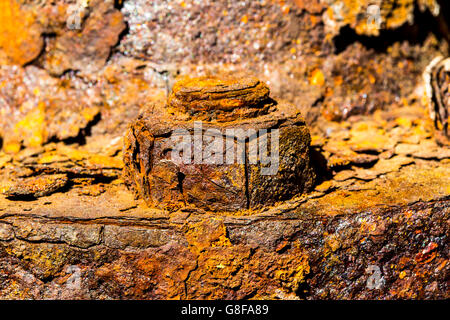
<point>437,89</point>
<point>220,105</point>
<point>36,187</point>
<point>76,75</point>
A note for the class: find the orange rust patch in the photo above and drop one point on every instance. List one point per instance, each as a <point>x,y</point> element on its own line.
<point>20,40</point>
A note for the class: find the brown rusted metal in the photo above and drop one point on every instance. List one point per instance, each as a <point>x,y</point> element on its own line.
<point>437,88</point>
<point>221,105</point>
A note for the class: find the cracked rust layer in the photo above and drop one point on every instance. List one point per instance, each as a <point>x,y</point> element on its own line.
<point>220,99</point>
<point>151,171</point>
<point>375,225</point>
<point>437,81</point>
<point>325,244</point>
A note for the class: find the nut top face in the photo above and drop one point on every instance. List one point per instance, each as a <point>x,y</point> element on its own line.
<point>205,94</point>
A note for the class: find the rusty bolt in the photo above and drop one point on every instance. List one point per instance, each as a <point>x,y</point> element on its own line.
<point>233,115</point>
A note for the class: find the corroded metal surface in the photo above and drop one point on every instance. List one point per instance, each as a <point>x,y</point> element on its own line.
<point>35,187</point>
<point>437,84</point>
<point>368,232</point>
<point>373,226</point>
<point>220,99</point>
<point>237,104</point>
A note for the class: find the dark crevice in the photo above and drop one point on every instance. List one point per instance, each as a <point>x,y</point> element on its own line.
<point>180,177</point>
<point>101,236</point>
<point>24,198</point>
<point>37,61</point>
<point>415,34</point>
<point>186,291</point>
<point>137,147</point>
<point>249,296</point>
<point>304,289</point>
<point>69,73</point>
<point>318,101</point>
<point>121,36</point>
<point>365,165</point>
<point>319,165</point>
<point>118,4</point>
<point>246,172</point>
<point>370,152</point>
<point>82,134</point>
<point>135,154</point>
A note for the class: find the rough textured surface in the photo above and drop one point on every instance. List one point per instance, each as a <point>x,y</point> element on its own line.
<point>386,14</point>
<point>71,32</point>
<point>219,99</point>
<point>213,182</point>
<point>85,49</point>
<point>377,229</point>
<point>19,43</point>
<point>437,89</point>
<point>36,108</point>
<point>35,187</point>
<point>375,225</point>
